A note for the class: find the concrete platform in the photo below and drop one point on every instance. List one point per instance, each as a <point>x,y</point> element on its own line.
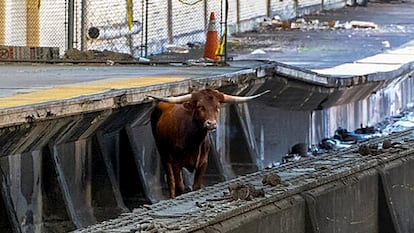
<point>383,62</point>
<point>336,53</point>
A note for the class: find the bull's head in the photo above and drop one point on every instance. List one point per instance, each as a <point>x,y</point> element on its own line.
<point>205,104</point>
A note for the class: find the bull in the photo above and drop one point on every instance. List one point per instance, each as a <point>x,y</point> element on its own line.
<point>180,126</point>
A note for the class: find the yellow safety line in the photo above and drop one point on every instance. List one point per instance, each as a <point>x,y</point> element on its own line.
<point>87,88</point>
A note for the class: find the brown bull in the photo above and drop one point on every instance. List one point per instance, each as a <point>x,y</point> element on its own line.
<point>180,126</point>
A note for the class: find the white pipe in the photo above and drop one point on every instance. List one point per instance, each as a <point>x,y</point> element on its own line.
<point>114,31</point>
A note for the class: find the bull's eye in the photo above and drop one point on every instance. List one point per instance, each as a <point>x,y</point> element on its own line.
<point>200,108</point>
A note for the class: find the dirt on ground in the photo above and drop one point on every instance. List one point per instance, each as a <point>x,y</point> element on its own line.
<point>94,55</point>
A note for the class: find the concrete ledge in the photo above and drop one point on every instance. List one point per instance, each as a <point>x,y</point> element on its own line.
<point>321,91</point>
<point>287,215</point>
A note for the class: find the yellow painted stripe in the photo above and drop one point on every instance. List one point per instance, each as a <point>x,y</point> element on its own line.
<point>32,23</point>
<point>88,88</point>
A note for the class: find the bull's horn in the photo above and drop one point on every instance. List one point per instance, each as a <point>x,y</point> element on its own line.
<point>173,99</point>
<point>241,99</point>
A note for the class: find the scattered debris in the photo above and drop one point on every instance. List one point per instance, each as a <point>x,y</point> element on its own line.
<point>200,62</point>
<point>350,137</point>
<point>206,204</point>
<point>271,180</point>
<point>344,139</point>
<point>238,191</point>
<point>364,150</point>
<point>386,44</point>
<point>258,51</point>
<point>363,24</point>
<point>290,158</point>
<point>298,151</point>
<point>386,144</point>
<point>172,48</point>
<point>377,148</point>
<point>244,191</point>
<point>366,130</point>
<point>276,24</point>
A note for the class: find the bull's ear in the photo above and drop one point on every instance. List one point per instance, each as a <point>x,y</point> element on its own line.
<point>188,105</point>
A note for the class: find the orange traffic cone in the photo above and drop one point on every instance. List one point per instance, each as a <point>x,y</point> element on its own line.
<point>211,40</point>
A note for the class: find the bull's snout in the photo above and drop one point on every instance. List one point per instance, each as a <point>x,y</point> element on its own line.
<point>210,124</point>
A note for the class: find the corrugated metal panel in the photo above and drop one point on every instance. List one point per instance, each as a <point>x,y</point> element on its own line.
<point>250,13</point>
<point>284,9</point>
<point>306,7</point>
<point>333,4</point>
<point>307,3</point>
<point>250,9</point>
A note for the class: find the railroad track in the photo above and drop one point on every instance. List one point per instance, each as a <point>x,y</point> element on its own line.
<point>212,204</point>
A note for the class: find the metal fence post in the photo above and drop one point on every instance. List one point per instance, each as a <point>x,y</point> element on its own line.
<point>71,23</point>
<point>146,27</point>
<point>238,15</point>
<point>83,25</point>
<point>169,22</point>
<point>268,8</point>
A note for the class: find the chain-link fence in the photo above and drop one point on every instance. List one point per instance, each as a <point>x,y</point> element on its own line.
<point>143,27</point>
<point>137,27</point>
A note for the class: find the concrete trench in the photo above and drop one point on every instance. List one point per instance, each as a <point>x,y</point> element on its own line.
<point>342,192</point>
<point>69,171</point>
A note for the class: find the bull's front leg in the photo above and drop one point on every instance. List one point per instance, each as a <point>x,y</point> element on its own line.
<point>178,176</point>
<point>170,179</point>
<point>199,174</point>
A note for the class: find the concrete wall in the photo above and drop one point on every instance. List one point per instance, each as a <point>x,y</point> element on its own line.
<point>374,200</point>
